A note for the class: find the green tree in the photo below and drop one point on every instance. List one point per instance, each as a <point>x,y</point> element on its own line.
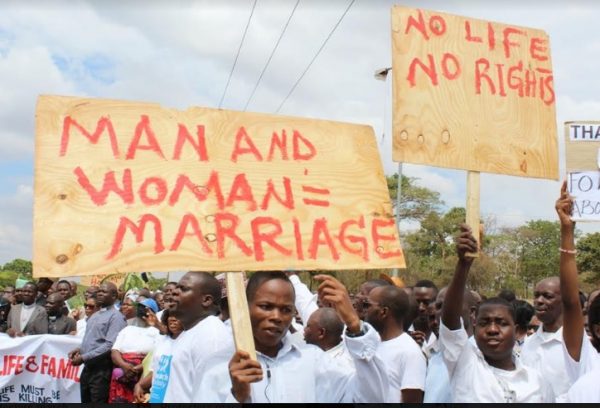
<point>20,266</point>
<point>588,257</point>
<point>430,251</point>
<point>538,243</point>
<point>415,202</point>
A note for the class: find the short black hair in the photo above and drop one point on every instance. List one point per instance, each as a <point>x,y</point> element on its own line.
<point>397,301</point>
<point>258,278</point>
<point>523,313</point>
<point>507,295</point>
<point>498,301</point>
<point>425,283</point>
<point>63,281</point>
<point>594,312</point>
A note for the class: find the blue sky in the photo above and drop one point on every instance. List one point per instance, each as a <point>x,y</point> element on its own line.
<point>179,54</point>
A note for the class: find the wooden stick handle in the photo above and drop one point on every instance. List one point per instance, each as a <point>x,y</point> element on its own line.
<point>473,208</point>
<point>239,313</point>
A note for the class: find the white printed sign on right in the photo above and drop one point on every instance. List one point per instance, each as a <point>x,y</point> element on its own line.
<point>582,146</point>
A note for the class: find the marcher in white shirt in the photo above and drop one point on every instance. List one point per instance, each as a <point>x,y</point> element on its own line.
<point>306,302</point>
<point>386,308</point>
<point>487,372</point>
<point>324,329</point>
<point>580,356</point>
<point>290,372</point>
<point>544,349</point>
<point>195,305</point>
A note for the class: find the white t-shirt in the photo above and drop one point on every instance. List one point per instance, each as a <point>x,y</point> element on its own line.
<point>544,352</point>
<point>26,313</point>
<point>303,373</point>
<point>589,360</point>
<point>134,339</point>
<point>161,368</point>
<point>586,389</point>
<point>472,379</point>
<point>81,325</point>
<point>406,365</point>
<point>189,353</point>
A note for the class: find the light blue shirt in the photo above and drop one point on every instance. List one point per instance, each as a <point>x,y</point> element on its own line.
<point>437,381</point>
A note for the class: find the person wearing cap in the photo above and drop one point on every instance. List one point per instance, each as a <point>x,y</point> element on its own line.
<point>131,346</point>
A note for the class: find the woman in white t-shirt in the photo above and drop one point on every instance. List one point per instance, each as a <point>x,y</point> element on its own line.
<point>488,371</point>
<point>580,356</point>
<point>131,346</point>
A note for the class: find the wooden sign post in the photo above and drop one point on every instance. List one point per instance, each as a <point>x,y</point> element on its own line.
<point>474,95</point>
<point>582,146</point>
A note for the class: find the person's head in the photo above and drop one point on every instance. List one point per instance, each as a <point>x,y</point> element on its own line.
<point>594,320</point>
<point>73,285</point>
<point>523,314</point>
<point>386,307</point>
<point>324,328</point>
<point>173,325</point>
<point>548,303</point>
<point>90,291</point>
<point>127,308</point>
<point>533,325</point>
<point>494,330</point>
<point>54,304</point>
<point>424,293</point>
<point>63,287</point>
<point>44,284</point>
<point>593,294</point>
<point>507,295</point>
<point>90,306</point>
<point>29,293</point>
<point>159,298</point>
<point>271,300</point>
<point>168,291</point>
<point>106,294</point>
<point>363,293</point>
<point>197,296</point>
<point>18,295</point>
<point>8,290</point>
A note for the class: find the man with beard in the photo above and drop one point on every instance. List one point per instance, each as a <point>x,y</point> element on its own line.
<point>28,317</point>
<point>385,309</point>
<point>196,305</point>
<point>544,349</point>
<point>101,332</point>
<point>486,372</point>
<point>58,323</point>
<point>289,371</point>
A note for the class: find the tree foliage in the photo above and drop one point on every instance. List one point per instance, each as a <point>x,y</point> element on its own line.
<point>588,257</point>
<point>415,202</point>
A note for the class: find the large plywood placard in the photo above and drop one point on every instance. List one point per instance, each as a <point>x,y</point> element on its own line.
<point>129,187</point>
<point>582,147</point>
<point>472,94</point>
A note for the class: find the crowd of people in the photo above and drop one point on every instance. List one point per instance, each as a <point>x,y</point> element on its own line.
<point>386,343</point>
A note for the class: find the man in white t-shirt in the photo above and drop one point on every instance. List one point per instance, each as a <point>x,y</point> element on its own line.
<point>488,371</point>
<point>196,305</point>
<point>544,349</point>
<point>324,329</point>
<point>385,309</point>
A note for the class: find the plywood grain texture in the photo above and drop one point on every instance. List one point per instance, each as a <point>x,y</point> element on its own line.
<point>252,199</point>
<point>472,94</point>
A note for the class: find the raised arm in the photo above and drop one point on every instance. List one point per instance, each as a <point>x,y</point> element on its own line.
<point>452,311</point>
<point>573,323</point>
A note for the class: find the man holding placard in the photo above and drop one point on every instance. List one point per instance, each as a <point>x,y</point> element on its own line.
<point>290,372</point>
